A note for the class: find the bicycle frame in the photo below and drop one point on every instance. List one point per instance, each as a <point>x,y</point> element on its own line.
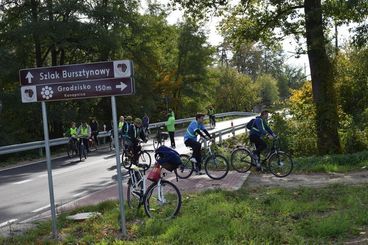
<point>133,178</point>
<point>274,149</point>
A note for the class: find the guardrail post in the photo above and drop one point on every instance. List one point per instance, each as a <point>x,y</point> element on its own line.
<point>232,128</point>
<point>220,138</point>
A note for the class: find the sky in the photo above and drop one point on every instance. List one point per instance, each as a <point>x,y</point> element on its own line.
<point>289,45</point>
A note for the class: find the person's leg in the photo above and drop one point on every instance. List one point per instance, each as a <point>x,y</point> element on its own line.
<point>196,147</point>
<point>257,141</point>
<point>85,142</point>
<point>135,153</point>
<point>172,139</point>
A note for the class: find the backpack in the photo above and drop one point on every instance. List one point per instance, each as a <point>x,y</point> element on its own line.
<point>250,124</point>
<point>168,158</point>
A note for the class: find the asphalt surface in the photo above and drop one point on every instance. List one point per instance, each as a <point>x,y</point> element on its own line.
<point>24,190</point>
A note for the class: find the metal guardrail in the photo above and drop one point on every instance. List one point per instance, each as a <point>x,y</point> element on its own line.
<point>219,134</point>
<point>62,141</point>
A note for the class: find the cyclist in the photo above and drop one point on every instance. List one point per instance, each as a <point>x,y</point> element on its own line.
<point>124,131</point>
<point>190,139</point>
<point>84,132</point>
<point>94,129</point>
<point>259,129</point>
<point>211,115</point>
<point>134,133</point>
<point>73,133</point>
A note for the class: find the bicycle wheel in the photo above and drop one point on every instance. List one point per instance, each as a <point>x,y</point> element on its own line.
<point>84,152</point>
<point>241,160</point>
<point>186,168</point>
<point>216,166</point>
<point>145,158</point>
<point>156,144</point>
<point>111,144</point>
<point>134,194</point>
<point>162,200</point>
<point>280,164</point>
<point>69,149</point>
<point>92,145</point>
<point>126,160</point>
<point>81,152</point>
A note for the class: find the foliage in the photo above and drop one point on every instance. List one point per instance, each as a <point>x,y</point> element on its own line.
<point>268,90</point>
<point>270,21</point>
<point>170,62</point>
<point>233,91</point>
<point>303,215</point>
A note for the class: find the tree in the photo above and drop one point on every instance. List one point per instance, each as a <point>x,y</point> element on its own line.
<point>267,89</point>
<point>258,20</point>
<point>234,91</point>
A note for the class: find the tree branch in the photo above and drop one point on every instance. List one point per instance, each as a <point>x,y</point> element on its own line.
<point>281,13</point>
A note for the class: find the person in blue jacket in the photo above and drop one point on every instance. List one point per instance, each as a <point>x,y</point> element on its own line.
<point>259,129</point>
<point>194,129</point>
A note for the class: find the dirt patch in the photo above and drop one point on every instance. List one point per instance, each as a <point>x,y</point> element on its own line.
<point>256,180</point>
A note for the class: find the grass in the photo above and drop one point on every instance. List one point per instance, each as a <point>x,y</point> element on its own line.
<point>332,163</point>
<point>333,214</point>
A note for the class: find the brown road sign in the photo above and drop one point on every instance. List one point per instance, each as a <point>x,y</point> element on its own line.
<point>77,90</point>
<point>78,72</point>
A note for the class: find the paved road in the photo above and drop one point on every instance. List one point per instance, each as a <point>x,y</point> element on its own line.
<point>24,190</point>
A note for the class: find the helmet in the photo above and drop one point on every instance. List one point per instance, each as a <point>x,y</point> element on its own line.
<point>199,114</point>
<point>138,121</point>
<point>129,118</point>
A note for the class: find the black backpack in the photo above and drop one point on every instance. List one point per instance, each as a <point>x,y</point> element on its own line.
<point>250,124</point>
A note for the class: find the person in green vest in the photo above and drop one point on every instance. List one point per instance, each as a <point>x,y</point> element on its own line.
<point>170,125</point>
<point>211,115</point>
<point>84,132</point>
<point>72,133</point>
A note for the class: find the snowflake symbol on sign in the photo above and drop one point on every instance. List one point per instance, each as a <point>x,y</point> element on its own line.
<point>47,92</point>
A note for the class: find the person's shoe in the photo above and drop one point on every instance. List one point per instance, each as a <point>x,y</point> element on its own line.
<point>199,173</point>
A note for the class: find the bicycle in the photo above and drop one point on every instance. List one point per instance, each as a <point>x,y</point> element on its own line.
<point>162,199</point>
<point>277,162</point>
<point>212,121</point>
<point>72,147</point>
<point>215,165</point>
<point>143,157</point>
<point>82,150</point>
<point>160,138</point>
<point>92,146</point>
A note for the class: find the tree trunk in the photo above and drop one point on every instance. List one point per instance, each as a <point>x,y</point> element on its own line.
<point>36,38</point>
<point>322,80</point>
<point>52,24</point>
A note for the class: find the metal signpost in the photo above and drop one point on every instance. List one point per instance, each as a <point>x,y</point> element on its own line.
<point>78,81</point>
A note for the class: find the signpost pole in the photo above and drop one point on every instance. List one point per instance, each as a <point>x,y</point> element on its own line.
<point>49,171</point>
<point>118,164</point>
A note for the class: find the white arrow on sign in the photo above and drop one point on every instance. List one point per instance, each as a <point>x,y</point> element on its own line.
<point>122,86</point>
<point>29,77</point>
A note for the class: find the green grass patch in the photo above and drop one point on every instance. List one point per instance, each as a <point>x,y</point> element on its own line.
<point>333,214</point>
<point>332,163</point>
